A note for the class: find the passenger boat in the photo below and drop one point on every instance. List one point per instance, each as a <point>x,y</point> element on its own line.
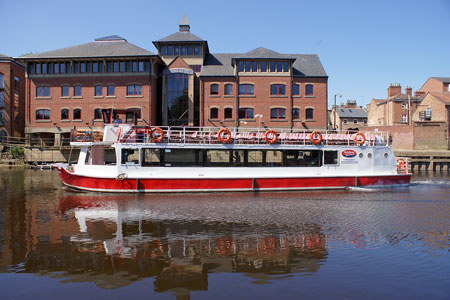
<point>130,158</point>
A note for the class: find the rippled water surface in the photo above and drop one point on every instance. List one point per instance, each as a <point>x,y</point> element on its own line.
<point>389,243</point>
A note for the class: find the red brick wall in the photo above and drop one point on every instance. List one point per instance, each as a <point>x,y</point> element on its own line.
<point>262,102</point>
<point>430,136</point>
<point>402,136</point>
<point>88,101</point>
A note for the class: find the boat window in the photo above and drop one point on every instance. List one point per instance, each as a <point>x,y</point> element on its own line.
<point>218,158</point>
<point>130,156</point>
<point>151,157</point>
<point>110,156</point>
<point>263,158</point>
<point>330,157</point>
<point>183,157</point>
<point>301,158</point>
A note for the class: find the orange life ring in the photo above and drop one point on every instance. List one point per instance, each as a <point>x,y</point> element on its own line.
<point>159,133</point>
<point>361,140</point>
<point>316,137</point>
<point>221,133</point>
<point>272,140</point>
<point>401,165</point>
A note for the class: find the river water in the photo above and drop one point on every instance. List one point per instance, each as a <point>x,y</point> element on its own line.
<point>385,243</point>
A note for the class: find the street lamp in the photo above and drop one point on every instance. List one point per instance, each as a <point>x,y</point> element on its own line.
<point>334,122</point>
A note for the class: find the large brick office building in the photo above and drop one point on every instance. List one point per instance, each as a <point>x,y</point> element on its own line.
<point>184,84</point>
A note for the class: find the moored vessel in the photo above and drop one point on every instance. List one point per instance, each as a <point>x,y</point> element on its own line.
<point>129,158</point>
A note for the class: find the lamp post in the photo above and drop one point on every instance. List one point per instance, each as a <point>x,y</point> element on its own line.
<point>334,122</point>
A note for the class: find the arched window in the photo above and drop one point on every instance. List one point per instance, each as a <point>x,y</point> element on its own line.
<point>228,89</point>
<point>278,113</point>
<point>64,114</point>
<point>42,114</point>
<point>177,98</point>
<point>98,114</point>
<point>246,113</point>
<point>77,114</point>
<point>277,89</point>
<point>228,113</point>
<point>309,114</point>
<point>295,113</point>
<point>309,90</point>
<point>246,89</point>
<point>295,90</point>
<point>214,113</point>
<point>214,89</point>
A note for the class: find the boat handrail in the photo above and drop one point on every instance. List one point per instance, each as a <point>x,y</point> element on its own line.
<point>126,133</point>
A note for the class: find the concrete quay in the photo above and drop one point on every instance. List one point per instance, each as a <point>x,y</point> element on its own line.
<point>426,160</point>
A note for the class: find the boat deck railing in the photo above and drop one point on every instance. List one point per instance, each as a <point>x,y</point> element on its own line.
<point>125,133</point>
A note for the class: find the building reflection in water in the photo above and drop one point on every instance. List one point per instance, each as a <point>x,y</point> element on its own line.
<point>111,243</point>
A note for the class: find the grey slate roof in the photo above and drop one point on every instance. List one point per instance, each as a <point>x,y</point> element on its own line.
<point>262,53</point>
<point>111,46</point>
<point>351,112</point>
<point>183,36</point>
<point>443,79</point>
<point>305,65</point>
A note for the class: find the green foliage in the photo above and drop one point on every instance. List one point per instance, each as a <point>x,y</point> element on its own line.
<point>16,151</point>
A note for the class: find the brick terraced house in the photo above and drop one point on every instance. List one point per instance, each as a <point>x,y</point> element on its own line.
<point>184,84</point>
<point>12,98</point>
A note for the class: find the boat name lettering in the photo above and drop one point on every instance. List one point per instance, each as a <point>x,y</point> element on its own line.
<point>349,153</point>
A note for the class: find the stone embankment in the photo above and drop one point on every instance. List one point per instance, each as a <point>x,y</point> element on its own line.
<point>426,160</point>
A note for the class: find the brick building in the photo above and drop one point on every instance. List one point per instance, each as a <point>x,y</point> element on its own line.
<point>396,109</point>
<point>348,116</point>
<point>12,98</point>
<point>184,84</point>
<point>69,87</point>
<point>436,84</point>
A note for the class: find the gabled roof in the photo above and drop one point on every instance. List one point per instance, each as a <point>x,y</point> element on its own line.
<point>263,53</point>
<point>110,46</point>
<point>351,112</point>
<point>442,79</point>
<point>220,64</point>
<point>442,97</point>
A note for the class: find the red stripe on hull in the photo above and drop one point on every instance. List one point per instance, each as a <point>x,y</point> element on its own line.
<point>218,184</point>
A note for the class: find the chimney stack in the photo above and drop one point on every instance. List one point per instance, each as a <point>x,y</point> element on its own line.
<point>394,89</point>
<point>408,91</point>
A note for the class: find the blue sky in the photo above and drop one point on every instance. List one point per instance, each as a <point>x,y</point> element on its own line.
<point>363,45</point>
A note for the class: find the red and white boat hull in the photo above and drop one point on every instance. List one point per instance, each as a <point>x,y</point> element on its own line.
<point>162,185</point>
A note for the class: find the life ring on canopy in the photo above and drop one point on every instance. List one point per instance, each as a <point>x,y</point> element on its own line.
<point>316,137</point>
<point>401,165</point>
<point>359,138</point>
<point>224,132</point>
<point>270,140</point>
<point>157,134</point>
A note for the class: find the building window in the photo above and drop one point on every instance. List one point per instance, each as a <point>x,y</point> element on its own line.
<point>163,50</point>
<point>295,114</point>
<point>295,90</point>
<point>309,114</point>
<point>16,84</point>
<point>228,113</point>
<point>246,89</point>
<point>64,91</point>
<point>64,114</point>
<point>286,66</point>
<point>228,89</point>
<point>134,90</point>
<point>77,91</point>
<point>278,113</point>
<point>1,119</point>
<point>42,91</point>
<point>169,50</point>
<point>196,49</point>
<point>77,114</point>
<point>98,90</point>
<point>404,118</point>
<point>177,99</point>
<point>277,89</point>
<point>42,114</point>
<point>183,49</point>
<point>98,114</point>
<point>111,91</point>
<point>214,113</point>
<point>263,66</point>
<point>135,66</point>
<point>404,105</point>
<point>196,68</point>
<point>246,113</point>
<point>1,99</point>
<point>309,90</point>
<point>176,50</point>
<point>345,121</point>
<point>241,66</point>
<point>273,66</point>
<point>355,121</point>
<point>214,89</point>
<point>1,81</point>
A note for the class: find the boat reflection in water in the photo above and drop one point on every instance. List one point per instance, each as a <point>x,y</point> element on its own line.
<point>115,243</point>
